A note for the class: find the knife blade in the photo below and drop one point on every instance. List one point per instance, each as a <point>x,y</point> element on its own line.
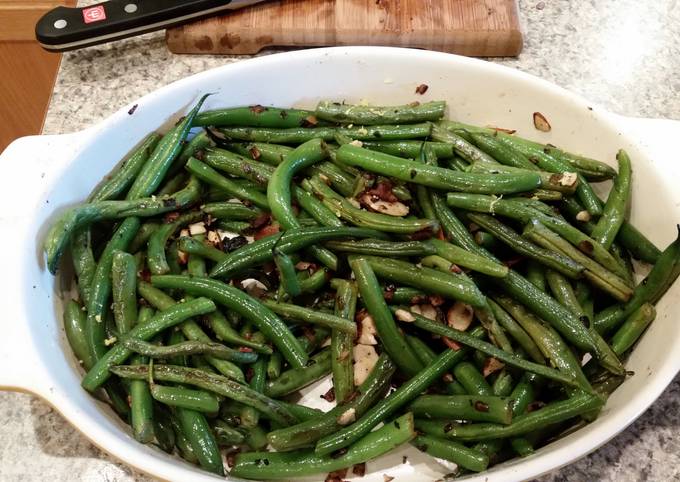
<point>64,28</point>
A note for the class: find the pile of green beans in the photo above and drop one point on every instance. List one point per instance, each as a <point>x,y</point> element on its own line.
<point>446,278</point>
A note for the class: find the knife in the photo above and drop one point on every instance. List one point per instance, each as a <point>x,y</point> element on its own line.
<point>65,28</point>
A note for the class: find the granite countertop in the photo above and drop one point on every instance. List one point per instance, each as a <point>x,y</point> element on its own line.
<point>621,54</point>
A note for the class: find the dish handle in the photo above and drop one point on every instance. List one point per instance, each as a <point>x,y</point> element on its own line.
<point>30,165</point>
<point>658,136</point>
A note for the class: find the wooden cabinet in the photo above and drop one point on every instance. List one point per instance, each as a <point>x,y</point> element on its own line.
<point>27,72</point>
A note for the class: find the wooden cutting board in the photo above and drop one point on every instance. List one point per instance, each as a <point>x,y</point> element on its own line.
<point>482,28</point>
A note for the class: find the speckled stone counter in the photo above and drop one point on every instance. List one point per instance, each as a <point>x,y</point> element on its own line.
<point>621,54</point>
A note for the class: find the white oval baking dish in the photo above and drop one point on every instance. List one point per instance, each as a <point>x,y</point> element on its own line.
<point>44,174</point>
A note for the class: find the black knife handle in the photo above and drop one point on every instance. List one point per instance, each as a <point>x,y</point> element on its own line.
<point>69,28</point>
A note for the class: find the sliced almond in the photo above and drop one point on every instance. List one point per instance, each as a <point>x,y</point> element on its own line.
<point>347,417</point>
<point>356,143</point>
<point>387,478</point>
<point>213,238</point>
<point>541,123</point>
<point>583,216</point>
<point>427,310</point>
<point>460,316</point>
<point>303,265</point>
<point>395,208</point>
<point>403,315</point>
<point>569,179</point>
<point>197,228</point>
<point>182,257</point>
<point>365,358</point>
<point>367,331</point>
<point>491,365</point>
<point>184,233</point>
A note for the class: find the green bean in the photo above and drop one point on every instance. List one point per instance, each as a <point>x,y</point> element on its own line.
<point>597,274</point>
<point>307,315</point>
<point>75,327</point>
<point>296,378</point>
<point>472,380</point>
<point>160,160</point>
<point>315,282</point>
<point>84,263</point>
<point>462,146</point>
<point>225,435</point>
<point>272,154</point>
<point>231,210</point>
<point>466,259</point>
<point>521,245</point>
<point>124,175</point>
<point>593,170</point>
<point>297,135</point>
<point>552,186</point>
<point>197,431</point>
<point>462,456</point>
<point>500,152</point>
<point>389,405</point>
<point>99,373</point>
<point>249,416</point>
<point>379,246</point>
<point>235,165</point>
<point>185,348</point>
<point>250,309</point>
<point>256,438</point>
<point>192,148</point>
<point>305,434</point>
<point>427,279</point>
<point>552,413</point>
<point>650,290</point>
<point>455,231</point>
<point>628,236</point>
<point>124,290</point>
<point>381,222</point>
<point>100,290</point>
<point>371,115</point>
<point>287,242</point>
<point>503,384</point>
<point>144,425</point>
<point>410,149</point>
<point>392,340</point>
<point>546,338</point>
<point>339,179</point>
<point>517,332</point>
<point>463,407</point>
<point>142,237</point>
<point>124,282</point>
<point>184,447</point>
<point>615,208</point>
<point>165,435</point>
<point>403,295</point>
<point>489,349</point>
<point>287,465</point>
<point>199,248</point>
<point>156,259</point>
<point>426,355</point>
<point>257,116</point>
<point>209,175</point>
<point>196,400</point>
<point>632,328</point>
<point>218,384</point>
<point>316,209</point>
<point>285,266</point>
<point>279,193</point>
<point>60,232</point>
<point>274,365</point>
<point>536,275</point>
<point>341,342</point>
<point>436,177</point>
<point>517,210</point>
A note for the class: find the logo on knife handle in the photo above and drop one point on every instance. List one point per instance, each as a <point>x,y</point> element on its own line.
<point>94,14</point>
